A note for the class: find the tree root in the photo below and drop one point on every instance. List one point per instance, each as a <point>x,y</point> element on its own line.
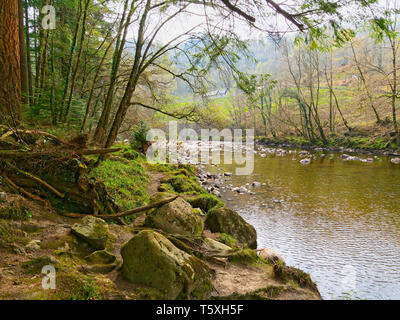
<point>34,178</point>
<point>24,192</point>
<point>125,213</point>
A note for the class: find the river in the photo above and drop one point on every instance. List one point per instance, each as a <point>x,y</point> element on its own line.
<point>337,220</point>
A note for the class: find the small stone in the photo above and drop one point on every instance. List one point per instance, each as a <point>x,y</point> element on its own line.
<point>3,197</point>
<point>270,255</point>
<point>305,161</point>
<point>17,249</point>
<point>33,246</point>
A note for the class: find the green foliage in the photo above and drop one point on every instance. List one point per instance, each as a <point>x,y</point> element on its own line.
<point>184,184</point>
<point>139,136</point>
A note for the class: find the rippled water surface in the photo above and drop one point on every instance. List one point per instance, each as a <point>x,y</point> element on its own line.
<point>338,220</point>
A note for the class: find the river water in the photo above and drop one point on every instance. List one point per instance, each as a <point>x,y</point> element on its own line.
<point>337,220</point>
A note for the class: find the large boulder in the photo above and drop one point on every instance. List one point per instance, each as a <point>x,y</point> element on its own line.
<point>151,259</point>
<point>92,230</point>
<point>176,217</point>
<point>225,220</point>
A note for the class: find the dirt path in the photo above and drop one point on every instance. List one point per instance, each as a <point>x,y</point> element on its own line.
<point>155,182</point>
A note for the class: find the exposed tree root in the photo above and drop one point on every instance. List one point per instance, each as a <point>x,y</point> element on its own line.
<point>34,178</point>
<point>125,213</point>
<point>24,192</point>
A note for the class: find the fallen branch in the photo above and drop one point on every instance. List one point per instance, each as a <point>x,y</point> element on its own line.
<point>34,178</point>
<point>35,132</point>
<point>24,192</point>
<point>125,213</point>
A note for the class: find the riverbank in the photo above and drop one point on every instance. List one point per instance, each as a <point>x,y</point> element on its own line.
<point>208,250</point>
<point>356,145</point>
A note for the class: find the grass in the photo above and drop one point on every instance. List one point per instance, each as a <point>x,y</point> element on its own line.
<point>179,178</point>
<point>126,181</point>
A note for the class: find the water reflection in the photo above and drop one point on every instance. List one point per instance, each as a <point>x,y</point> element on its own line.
<point>327,216</point>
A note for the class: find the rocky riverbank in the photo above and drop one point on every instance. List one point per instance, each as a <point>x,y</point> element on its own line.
<point>318,148</point>
<point>190,248</point>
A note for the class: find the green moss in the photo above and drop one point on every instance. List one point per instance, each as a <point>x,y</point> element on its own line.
<point>288,274</point>
<point>151,259</point>
<point>183,184</point>
<point>10,236</point>
<point>15,209</point>
<point>164,187</point>
<point>125,182</point>
<point>228,240</point>
<point>245,256</point>
<point>179,178</point>
<point>101,257</point>
<point>206,202</point>
<point>35,265</point>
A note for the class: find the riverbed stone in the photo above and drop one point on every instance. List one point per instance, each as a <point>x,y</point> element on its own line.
<point>177,217</point>
<point>305,161</point>
<point>92,230</point>
<point>151,259</point>
<point>395,160</point>
<point>225,220</point>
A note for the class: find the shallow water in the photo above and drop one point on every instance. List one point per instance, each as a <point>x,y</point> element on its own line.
<point>337,220</point>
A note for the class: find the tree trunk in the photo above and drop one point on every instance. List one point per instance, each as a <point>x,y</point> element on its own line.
<point>78,58</point>
<point>70,61</point>
<point>22,53</point>
<point>10,70</point>
<point>28,55</point>
<point>105,114</point>
<point>133,80</point>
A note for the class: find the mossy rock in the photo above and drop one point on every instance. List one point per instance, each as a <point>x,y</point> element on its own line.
<point>92,230</point>
<point>213,245</point>
<point>101,262</point>
<point>177,217</point>
<point>245,256</point>
<point>225,220</point>
<point>101,257</point>
<point>36,265</point>
<point>206,202</point>
<point>152,260</point>
<point>184,184</point>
